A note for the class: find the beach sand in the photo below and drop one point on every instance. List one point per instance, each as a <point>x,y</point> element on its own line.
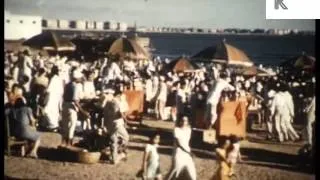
<point>262,160</point>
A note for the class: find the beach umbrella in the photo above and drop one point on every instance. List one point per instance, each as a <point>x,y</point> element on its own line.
<point>181,64</point>
<point>301,62</point>
<point>256,71</point>
<point>49,41</point>
<point>224,53</point>
<point>125,48</point>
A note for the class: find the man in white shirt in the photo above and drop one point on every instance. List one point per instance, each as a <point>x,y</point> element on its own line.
<point>214,98</point>
<point>289,115</point>
<point>278,107</point>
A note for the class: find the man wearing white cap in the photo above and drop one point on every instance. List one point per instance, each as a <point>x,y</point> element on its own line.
<point>71,107</point>
<point>114,122</point>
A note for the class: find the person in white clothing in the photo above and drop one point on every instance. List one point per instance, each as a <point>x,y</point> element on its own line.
<point>310,110</point>
<point>181,100</point>
<point>183,165</point>
<point>89,91</point>
<point>161,99</point>
<point>55,91</point>
<point>214,98</point>
<point>278,106</point>
<point>149,94</point>
<point>289,115</point>
<point>233,153</point>
<point>269,116</point>
<point>151,159</point>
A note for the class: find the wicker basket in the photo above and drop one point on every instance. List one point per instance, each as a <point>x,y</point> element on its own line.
<point>89,157</point>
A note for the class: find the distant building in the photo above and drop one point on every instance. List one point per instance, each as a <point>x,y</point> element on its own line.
<point>121,26</point>
<point>52,23</point>
<point>99,25</point>
<point>63,24</point>
<point>80,25</point>
<point>110,25</point>
<point>72,24</point>
<point>90,25</point>
<point>21,26</point>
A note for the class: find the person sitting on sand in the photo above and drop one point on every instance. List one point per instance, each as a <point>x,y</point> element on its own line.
<point>151,159</point>
<point>233,154</point>
<point>25,126</point>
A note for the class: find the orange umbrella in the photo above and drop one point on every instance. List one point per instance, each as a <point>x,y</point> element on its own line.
<point>182,64</point>
<point>127,48</point>
<point>49,41</point>
<point>224,53</point>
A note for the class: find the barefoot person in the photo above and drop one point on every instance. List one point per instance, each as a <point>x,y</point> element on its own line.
<point>70,109</point>
<point>221,153</point>
<point>115,125</point>
<point>182,159</point>
<point>151,160</point>
<point>233,153</point>
<point>24,126</point>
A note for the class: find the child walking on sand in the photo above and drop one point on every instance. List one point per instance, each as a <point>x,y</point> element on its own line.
<point>233,154</point>
<point>151,160</point>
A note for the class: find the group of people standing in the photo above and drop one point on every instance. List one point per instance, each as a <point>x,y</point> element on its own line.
<point>54,94</point>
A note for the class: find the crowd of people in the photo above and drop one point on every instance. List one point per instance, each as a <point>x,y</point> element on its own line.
<point>54,94</point>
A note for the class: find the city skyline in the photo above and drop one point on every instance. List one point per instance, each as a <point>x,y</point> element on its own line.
<point>156,13</point>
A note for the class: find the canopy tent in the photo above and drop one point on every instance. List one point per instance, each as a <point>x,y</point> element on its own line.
<point>182,64</point>
<point>224,53</point>
<point>301,62</point>
<point>49,41</point>
<point>125,48</point>
<point>256,71</point>
<point>92,48</point>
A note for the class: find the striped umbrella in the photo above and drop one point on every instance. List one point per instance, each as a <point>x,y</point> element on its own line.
<point>126,48</point>
<point>224,53</point>
<point>49,41</point>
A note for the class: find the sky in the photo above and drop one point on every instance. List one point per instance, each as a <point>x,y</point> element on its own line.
<point>160,13</point>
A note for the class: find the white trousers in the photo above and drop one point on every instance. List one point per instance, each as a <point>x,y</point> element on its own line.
<point>280,127</point>
<point>310,121</point>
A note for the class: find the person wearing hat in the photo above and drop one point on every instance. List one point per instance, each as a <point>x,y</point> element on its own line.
<point>70,108</point>
<point>214,98</point>
<point>115,125</point>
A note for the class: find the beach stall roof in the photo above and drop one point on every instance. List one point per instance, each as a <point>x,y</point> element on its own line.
<point>182,64</point>
<point>224,53</point>
<point>49,41</point>
<point>256,71</point>
<point>303,61</point>
<point>127,48</point>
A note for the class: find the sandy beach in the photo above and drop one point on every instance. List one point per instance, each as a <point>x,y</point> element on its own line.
<point>262,160</point>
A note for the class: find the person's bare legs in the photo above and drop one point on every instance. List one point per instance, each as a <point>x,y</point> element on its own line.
<point>34,151</point>
<point>231,172</point>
